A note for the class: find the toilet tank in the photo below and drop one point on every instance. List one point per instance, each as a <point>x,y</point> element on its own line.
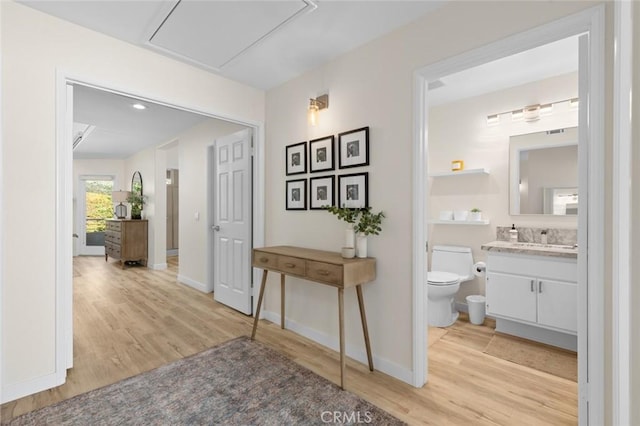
<point>454,259</point>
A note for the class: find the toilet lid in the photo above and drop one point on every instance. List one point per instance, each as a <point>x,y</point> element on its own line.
<point>442,278</point>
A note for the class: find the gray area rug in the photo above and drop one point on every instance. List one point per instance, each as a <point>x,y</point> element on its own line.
<point>240,382</point>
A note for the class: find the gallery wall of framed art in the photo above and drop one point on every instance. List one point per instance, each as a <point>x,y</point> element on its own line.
<point>329,187</point>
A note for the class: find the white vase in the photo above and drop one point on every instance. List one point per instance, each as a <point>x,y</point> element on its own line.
<point>349,237</point>
<point>361,245</point>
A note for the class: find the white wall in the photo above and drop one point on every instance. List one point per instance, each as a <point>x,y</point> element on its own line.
<point>373,86</point>
<point>459,130</point>
<point>36,46</point>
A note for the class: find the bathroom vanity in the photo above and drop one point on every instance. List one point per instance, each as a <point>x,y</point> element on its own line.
<point>532,291</point>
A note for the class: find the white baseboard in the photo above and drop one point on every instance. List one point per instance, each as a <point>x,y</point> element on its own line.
<point>194,284</point>
<point>158,266</point>
<point>356,352</point>
<point>15,391</point>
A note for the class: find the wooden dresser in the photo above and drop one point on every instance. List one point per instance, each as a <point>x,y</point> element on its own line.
<point>126,240</point>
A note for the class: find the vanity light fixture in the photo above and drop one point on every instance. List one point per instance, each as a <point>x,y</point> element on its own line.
<point>139,106</point>
<point>315,105</point>
<point>120,197</point>
<point>532,113</point>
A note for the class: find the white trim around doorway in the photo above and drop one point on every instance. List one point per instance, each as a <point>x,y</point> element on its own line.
<point>591,273</point>
<point>64,207</point>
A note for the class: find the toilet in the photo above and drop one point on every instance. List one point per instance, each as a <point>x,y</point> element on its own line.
<point>450,265</point>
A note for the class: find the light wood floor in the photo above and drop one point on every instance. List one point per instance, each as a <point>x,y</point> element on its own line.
<point>130,321</point>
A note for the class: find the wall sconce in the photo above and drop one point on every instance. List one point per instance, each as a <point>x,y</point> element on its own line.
<point>120,197</point>
<point>315,105</point>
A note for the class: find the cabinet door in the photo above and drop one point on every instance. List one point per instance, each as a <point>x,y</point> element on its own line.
<point>557,304</point>
<point>511,296</point>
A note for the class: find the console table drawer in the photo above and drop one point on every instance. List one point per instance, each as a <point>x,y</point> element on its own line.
<point>265,260</point>
<point>291,265</point>
<point>325,272</point>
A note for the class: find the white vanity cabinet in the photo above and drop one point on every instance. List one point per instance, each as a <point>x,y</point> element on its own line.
<point>525,292</point>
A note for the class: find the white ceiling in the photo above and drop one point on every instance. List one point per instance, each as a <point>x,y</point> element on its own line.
<point>120,130</point>
<point>259,43</point>
<point>549,60</point>
<point>262,44</point>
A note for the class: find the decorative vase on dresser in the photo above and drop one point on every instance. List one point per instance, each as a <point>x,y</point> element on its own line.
<point>126,240</point>
<point>361,245</point>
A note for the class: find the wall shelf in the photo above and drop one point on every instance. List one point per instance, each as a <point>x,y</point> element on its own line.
<point>460,222</point>
<point>482,171</point>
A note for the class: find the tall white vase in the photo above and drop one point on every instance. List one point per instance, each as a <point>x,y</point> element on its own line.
<point>349,237</point>
<point>361,245</point>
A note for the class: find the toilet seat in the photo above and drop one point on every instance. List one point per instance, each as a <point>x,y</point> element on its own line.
<point>442,278</point>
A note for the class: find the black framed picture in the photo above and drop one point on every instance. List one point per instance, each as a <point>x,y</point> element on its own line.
<point>321,154</point>
<point>296,194</point>
<point>353,191</point>
<point>353,148</point>
<point>296,158</point>
<point>321,192</point>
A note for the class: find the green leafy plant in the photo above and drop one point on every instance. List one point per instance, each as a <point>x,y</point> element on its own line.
<point>475,210</point>
<point>348,215</point>
<point>369,223</point>
<point>137,203</point>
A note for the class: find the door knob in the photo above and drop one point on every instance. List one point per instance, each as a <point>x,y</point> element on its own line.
<point>216,227</point>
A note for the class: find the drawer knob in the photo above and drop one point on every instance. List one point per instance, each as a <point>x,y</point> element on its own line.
<point>323,272</point>
<point>264,260</point>
<point>290,265</point>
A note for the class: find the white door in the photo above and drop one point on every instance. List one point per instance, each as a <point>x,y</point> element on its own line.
<point>231,224</point>
<point>94,208</point>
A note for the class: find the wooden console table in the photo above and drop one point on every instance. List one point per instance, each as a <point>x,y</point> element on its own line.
<point>322,267</point>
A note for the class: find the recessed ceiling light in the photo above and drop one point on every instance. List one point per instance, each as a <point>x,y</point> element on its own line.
<point>139,106</point>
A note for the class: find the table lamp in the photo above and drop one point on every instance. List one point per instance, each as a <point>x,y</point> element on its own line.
<point>120,197</point>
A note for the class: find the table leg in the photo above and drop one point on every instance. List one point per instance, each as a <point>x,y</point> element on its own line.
<point>282,301</point>
<point>341,322</point>
<point>255,320</point>
<point>365,329</point>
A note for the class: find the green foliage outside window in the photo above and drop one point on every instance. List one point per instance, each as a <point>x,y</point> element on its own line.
<point>98,204</point>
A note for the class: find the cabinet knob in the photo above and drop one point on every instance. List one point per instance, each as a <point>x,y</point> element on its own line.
<point>323,273</point>
<point>540,287</point>
<point>532,284</point>
<point>290,265</point>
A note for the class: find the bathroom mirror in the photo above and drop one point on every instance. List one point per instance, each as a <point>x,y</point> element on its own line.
<point>543,170</point>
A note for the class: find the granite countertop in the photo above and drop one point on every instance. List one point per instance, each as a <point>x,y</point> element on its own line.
<point>534,249</point>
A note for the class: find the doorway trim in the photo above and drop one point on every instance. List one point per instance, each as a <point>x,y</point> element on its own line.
<point>591,381</point>
<point>64,202</point>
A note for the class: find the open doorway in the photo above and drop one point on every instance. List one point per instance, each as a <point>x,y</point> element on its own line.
<point>152,162</point>
<point>590,226</point>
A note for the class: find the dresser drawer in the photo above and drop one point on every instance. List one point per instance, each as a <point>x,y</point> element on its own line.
<point>325,272</point>
<point>114,226</point>
<point>112,236</point>
<point>112,250</point>
<point>265,260</point>
<point>291,265</point>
